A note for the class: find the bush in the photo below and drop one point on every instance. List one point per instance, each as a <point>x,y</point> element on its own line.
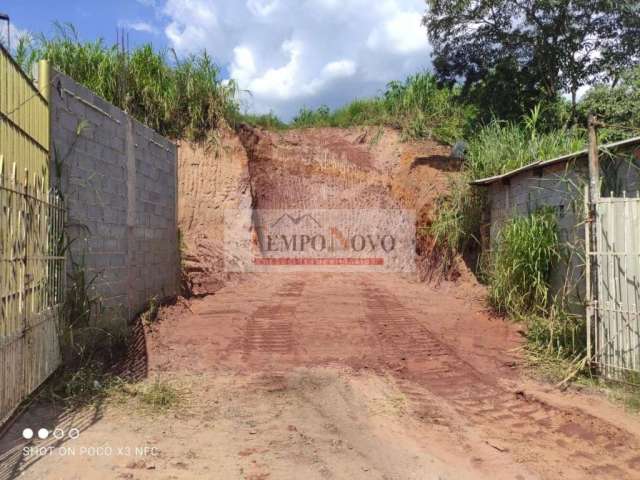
<point>526,250</point>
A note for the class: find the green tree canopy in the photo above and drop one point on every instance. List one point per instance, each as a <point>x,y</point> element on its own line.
<point>519,52</point>
<point>617,105</point>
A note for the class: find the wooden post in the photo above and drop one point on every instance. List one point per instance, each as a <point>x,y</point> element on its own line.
<point>594,161</point>
<point>591,198</point>
<point>587,247</point>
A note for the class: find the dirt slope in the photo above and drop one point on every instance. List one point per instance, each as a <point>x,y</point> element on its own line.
<point>212,178</point>
<point>360,168</point>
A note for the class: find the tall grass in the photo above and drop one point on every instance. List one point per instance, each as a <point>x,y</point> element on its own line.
<point>418,106</point>
<point>423,109</point>
<point>457,223</point>
<point>528,250</point>
<point>270,121</point>
<point>504,146</point>
<point>521,263</point>
<point>497,148</point>
<point>180,98</point>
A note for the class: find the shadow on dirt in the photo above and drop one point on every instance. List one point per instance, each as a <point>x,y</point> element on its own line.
<point>440,162</point>
<point>64,420</point>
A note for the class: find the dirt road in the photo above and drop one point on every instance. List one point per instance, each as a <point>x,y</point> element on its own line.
<point>331,375</point>
<point>347,376</point>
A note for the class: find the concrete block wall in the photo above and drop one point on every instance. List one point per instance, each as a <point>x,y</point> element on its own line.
<point>119,181</point>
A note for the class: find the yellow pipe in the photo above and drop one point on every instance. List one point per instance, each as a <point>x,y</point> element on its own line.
<point>43,79</point>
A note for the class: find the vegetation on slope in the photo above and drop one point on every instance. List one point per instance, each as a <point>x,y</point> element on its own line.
<point>180,98</point>
<point>504,146</point>
<point>419,107</point>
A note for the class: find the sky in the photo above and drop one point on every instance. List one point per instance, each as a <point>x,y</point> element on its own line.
<point>286,53</point>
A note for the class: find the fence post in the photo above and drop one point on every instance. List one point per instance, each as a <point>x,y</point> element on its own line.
<point>43,79</point>
<point>594,161</point>
<point>592,195</point>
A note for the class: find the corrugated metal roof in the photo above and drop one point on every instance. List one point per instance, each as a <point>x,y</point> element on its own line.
<point>546,163</point>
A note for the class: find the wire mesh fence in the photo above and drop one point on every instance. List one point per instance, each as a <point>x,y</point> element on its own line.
<point>31,286</point>
<point>31,239</point>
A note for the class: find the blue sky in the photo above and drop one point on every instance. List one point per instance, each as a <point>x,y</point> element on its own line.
<point>92,18</point>
<point>287,53</point>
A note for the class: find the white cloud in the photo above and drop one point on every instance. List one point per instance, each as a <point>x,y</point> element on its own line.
<point>137,26</point>
<point>340,68</point>
<point>402,34</point>
<point>262,8</point>
<point>291,53</point>
<point>16,35</point>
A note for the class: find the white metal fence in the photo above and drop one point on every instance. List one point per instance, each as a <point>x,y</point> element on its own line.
<point>616,261</point>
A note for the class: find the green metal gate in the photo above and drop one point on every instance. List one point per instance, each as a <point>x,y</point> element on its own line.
<point>31,224</point>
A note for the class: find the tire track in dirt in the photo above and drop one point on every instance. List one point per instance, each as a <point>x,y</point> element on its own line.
<point>526,425</point>
<point>268,334</point>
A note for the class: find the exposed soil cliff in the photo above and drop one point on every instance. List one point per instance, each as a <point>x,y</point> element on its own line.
<point>212,179</point>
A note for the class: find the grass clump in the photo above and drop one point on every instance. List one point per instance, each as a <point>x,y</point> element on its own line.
<point>501,147</point>
<point>424,109</point>
<point>269,121</point>
<point>456,226</point>
<point>419,107</point>
<point>150,315</point>
<point>360,112</point>
<point>179,98</point>
<point>159,395</point>
<point>527,248</point>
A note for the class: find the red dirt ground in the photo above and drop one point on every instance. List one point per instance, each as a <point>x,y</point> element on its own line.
<point>437,343</point>
<point>341,375</point>
<point>451,359</point>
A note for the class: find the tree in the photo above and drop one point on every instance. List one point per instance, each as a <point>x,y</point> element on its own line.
<point>616,105</point>
<point>536,48</point>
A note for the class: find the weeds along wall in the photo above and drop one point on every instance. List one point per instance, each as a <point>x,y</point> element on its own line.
<point>119,183</point>
<point>561,188</point>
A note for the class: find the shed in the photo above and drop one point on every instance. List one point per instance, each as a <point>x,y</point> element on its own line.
<point>559,183</point>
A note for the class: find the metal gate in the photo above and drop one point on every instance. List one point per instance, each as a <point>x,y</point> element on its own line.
<point>31,223</point>
<point>615,261</point>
